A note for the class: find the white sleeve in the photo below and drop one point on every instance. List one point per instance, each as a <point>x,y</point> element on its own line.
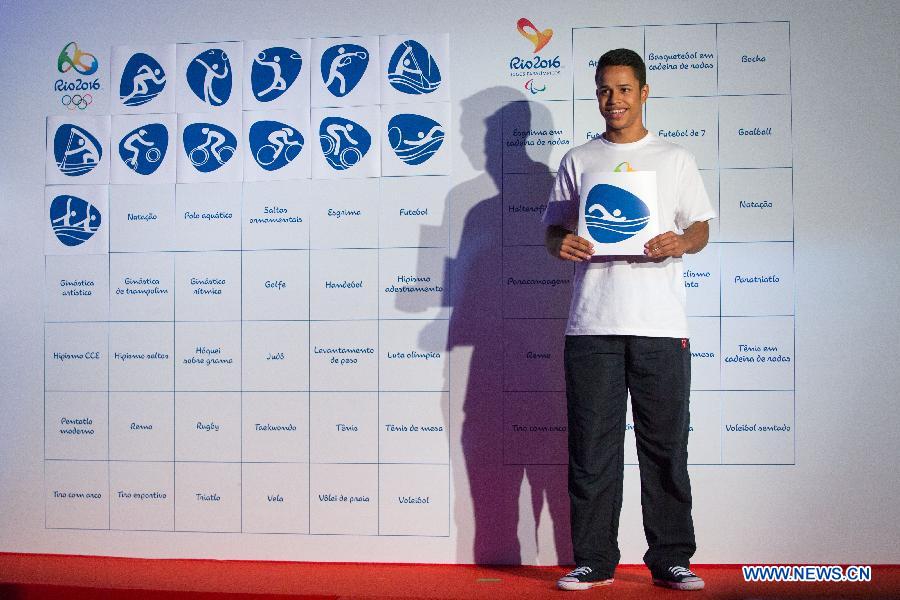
<point>562,206</point>
<point>692,201</point>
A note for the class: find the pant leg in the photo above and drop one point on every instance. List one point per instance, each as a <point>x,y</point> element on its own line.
<point>596,399</point>
<point>659,378</point>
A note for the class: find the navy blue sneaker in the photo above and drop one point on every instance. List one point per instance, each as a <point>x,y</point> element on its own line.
<point>582,578</point>
<point>678,578</point>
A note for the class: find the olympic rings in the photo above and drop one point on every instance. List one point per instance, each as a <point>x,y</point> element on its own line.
<point>78,101</point>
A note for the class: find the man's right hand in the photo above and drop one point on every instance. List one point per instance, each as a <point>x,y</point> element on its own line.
<point>564,244</point>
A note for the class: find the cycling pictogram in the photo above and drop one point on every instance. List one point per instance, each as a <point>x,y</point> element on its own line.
<point>144,148</point>
<point>208,146</point>
<point>344,142</point>
<point>274,144</point>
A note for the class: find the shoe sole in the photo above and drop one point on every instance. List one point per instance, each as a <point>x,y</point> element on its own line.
<point>574,586</point>
<point>686,586</point>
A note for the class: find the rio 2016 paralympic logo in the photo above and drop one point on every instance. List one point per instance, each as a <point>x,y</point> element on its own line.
<point>74,60</point>
<point>536,65</point>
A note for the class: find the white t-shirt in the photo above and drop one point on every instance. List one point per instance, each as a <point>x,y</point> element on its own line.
<point>631,295</point>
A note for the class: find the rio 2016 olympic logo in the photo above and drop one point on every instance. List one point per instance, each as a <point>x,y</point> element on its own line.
<point>143,149</point>
<point>74,220</point>
<point>143,79</point>
<point>344,143</point>
<point>343,66</point>
<point>414,138</point>
<point>273,72</point>
<point>274,144</point>
<point>72,60</point>
<point>76,151</point>
<point>412,69</point>
<point>208,146</point>
<point>76,101</point>
<point>209,76</point>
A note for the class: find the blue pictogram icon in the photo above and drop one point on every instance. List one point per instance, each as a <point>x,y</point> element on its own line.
<point>208,146</point>
<point>344,143</point>
<point>274,70</point>
<point>412,69</point>
<point>143,79</point>
<point>414,138</point>
<point>343,66</point>
<point>274,144</point>
<point>76,151</point>
<point>613,214</point>
<point>74,220</point>
<point>209,76</point>
<point>144,148</point>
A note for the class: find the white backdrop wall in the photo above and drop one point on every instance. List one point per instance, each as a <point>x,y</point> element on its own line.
<point>824,492</point>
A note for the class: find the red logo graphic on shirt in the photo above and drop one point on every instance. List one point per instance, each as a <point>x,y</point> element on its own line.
<point>683,343</point>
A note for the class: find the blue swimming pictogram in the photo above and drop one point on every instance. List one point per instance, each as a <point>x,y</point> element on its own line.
<point>208,146</point>
<point>76,151</point>
<point>343,66</point>
<point>344,143</point>
<point>613,214</point>
<point>412,69</point>
<point>143,79</point>
<point>414,138</point>
<point>143,149</point>
<point>274,144</point>
<point>74,220</point>
<point>274,70</point>
<point>209,76</point>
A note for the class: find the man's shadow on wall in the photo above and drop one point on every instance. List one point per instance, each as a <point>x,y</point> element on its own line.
<point>474,294</point>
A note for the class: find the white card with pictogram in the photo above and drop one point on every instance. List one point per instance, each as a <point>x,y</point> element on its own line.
<point>619,211</point>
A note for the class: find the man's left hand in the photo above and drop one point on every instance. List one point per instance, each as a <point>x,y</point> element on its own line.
<point>665,245</point>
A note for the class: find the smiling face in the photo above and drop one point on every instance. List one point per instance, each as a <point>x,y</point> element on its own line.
<point>621,96</point>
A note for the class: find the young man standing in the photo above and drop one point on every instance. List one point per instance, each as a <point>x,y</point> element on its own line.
<point>627,332</point>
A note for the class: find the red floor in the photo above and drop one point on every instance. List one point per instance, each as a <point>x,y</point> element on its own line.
<point>45,577</point>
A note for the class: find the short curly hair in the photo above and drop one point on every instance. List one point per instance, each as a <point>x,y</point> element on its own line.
<point>622,57</point>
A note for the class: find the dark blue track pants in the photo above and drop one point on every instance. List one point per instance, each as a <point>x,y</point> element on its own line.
<point>600,371</point>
